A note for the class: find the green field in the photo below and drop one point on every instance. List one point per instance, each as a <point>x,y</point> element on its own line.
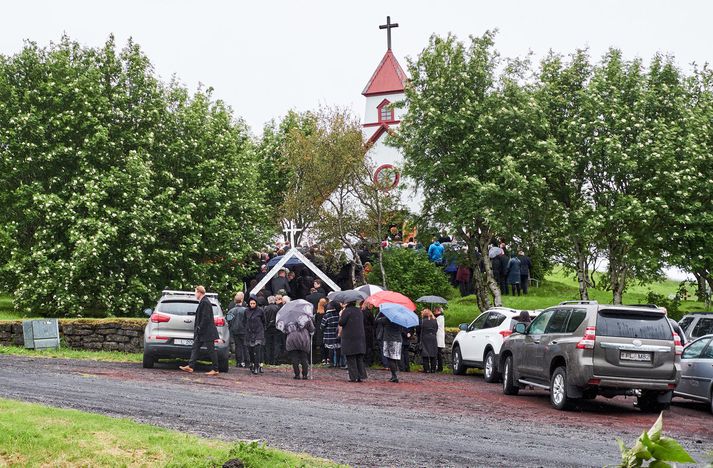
<point>36,435</point>
<point>560,286</point>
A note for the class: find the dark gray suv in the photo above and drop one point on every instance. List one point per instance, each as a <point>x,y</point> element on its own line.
<point>580,349</point>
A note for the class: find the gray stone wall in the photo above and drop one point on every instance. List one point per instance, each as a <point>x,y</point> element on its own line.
<point>93,334</point>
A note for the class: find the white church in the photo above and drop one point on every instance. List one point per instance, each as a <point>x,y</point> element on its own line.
<point>385,87</point>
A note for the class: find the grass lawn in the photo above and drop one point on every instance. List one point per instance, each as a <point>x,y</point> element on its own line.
<point>36,435</point>
<point>561,286</point>
<point>66,353</point>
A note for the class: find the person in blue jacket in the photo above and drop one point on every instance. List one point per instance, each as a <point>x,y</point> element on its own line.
<point>435,252</point>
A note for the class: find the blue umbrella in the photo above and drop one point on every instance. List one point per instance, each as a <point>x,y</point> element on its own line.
<point>291,262</point>
<point>399,315</point>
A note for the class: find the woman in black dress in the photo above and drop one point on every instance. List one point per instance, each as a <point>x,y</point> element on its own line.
<point>255,334</point>
<point>429,342</point>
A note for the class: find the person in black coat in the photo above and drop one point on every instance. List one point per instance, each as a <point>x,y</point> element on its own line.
<point>351,319</point>
<point>280,283</point>
<point>369,333</point>
<point>314,297</point>
<point>204,333</point>
<point>273,336</point>
<point>391,344</point>
<point>429,342</point>
<point>255,334</point>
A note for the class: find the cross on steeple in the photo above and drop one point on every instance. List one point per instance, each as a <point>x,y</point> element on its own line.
<point>388,27</point>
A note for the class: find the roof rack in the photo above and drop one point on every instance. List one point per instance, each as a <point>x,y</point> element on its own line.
<point>578,302</point>
<point>171,292</point>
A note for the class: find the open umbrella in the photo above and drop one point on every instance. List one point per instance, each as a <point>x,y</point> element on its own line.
<point>432,300</point>
<point>392,298</point>
<point>399,315</point>
<point>291,262</point>
<point>292,311</point>
<point>350,295</point>
<point>370,289</point>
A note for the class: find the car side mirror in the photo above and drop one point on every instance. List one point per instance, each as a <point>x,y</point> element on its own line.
<point>463,326</point>
<point>148,312</point>
<point>520,328</point>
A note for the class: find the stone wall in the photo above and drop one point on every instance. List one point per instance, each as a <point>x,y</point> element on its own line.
<point>94,334</point>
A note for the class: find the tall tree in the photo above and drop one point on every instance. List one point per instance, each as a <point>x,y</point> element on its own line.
<point>634,135</point>
<point>115,185</point>
<point>471,139</point>
<point>562,94</point>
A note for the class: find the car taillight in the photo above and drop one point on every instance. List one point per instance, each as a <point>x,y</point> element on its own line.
<point>159,318</point>
<point>219,321</point>
<point>677,343</point>
<point>590,337</point>
<point>218,341</point>
<point>505,333</point>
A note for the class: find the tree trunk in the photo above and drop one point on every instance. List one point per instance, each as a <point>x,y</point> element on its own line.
<point>701,285</point>
<point>582,272</point>
<point>492,284</point>
<point>481,291</point>
<point>617,273</point>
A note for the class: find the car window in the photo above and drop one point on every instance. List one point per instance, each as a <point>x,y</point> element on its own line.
<point>703,327</point>
<point>575,319</point>
<point>708,352</point>
<point>478,322</point>
<point>694,349</point>
<point>685,322</point>
<point>494,320</point>
<point>558,321</point>
<point>537,327</point>
<point>633,324</point>
<point>181,307</point>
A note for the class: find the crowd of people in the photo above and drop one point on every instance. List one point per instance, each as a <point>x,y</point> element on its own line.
<point>340,335</point>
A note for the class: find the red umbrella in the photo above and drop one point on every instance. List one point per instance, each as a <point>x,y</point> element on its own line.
<point>390,297</point>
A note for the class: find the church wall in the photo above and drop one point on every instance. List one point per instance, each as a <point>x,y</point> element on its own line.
<point>371,114</point>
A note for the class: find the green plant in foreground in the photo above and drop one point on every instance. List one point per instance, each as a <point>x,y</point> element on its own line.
<point>654,448</point>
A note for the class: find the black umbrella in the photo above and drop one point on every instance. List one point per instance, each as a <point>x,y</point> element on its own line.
<point>432,300</point>
<point>350,295</point>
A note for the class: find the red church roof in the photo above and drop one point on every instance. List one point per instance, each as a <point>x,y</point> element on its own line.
<point>389,77</point>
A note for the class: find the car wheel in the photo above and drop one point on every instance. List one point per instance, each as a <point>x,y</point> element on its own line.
<point>148,361</point>
<point>509,387</point>
<point>490,374</point>
<point>223,364</point>
<point>558,390</point>
<point>457,360</point>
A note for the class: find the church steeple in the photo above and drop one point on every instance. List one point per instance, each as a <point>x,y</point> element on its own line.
<point>388,26</point>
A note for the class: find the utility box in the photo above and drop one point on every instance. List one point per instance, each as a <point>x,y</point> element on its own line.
<point>40,334</point>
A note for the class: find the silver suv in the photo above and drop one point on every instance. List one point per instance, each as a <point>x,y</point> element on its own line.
<point>169,331</point>
<point>580,349</point>
<point>696,325</point>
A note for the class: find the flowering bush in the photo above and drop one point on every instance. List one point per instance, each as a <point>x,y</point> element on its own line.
<point>114,185</point>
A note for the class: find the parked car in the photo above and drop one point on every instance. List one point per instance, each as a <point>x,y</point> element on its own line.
<point>580,349</point>
<point>169,331</point>
<point>697,371</point>
<point>478,343</point>
<point>696,325</point>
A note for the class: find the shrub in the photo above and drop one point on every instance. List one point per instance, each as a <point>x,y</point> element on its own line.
<point>409,272</point>
<point>671,305</point>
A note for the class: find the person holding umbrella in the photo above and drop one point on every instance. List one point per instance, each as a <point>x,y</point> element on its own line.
<point>295,320</point>
<point>429,343</point>
<point>351,319</point>
<point>394,318</point>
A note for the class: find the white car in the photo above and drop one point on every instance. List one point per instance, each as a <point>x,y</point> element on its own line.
<point>478,343</point>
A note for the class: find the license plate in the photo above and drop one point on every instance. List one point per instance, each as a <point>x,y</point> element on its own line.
<point>631,356</point>
<point>183,342</point>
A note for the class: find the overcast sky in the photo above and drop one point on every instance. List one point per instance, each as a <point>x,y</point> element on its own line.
<point>266,57</point>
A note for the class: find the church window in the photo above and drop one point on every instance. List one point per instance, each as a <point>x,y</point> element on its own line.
<point>386,114</point>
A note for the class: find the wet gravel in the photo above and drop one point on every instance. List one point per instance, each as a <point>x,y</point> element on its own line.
<point>427,420</point>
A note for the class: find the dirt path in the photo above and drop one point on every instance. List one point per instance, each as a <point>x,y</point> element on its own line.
<point>428,420</point>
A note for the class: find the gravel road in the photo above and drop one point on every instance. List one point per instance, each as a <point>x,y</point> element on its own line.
<point>428,420</point>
